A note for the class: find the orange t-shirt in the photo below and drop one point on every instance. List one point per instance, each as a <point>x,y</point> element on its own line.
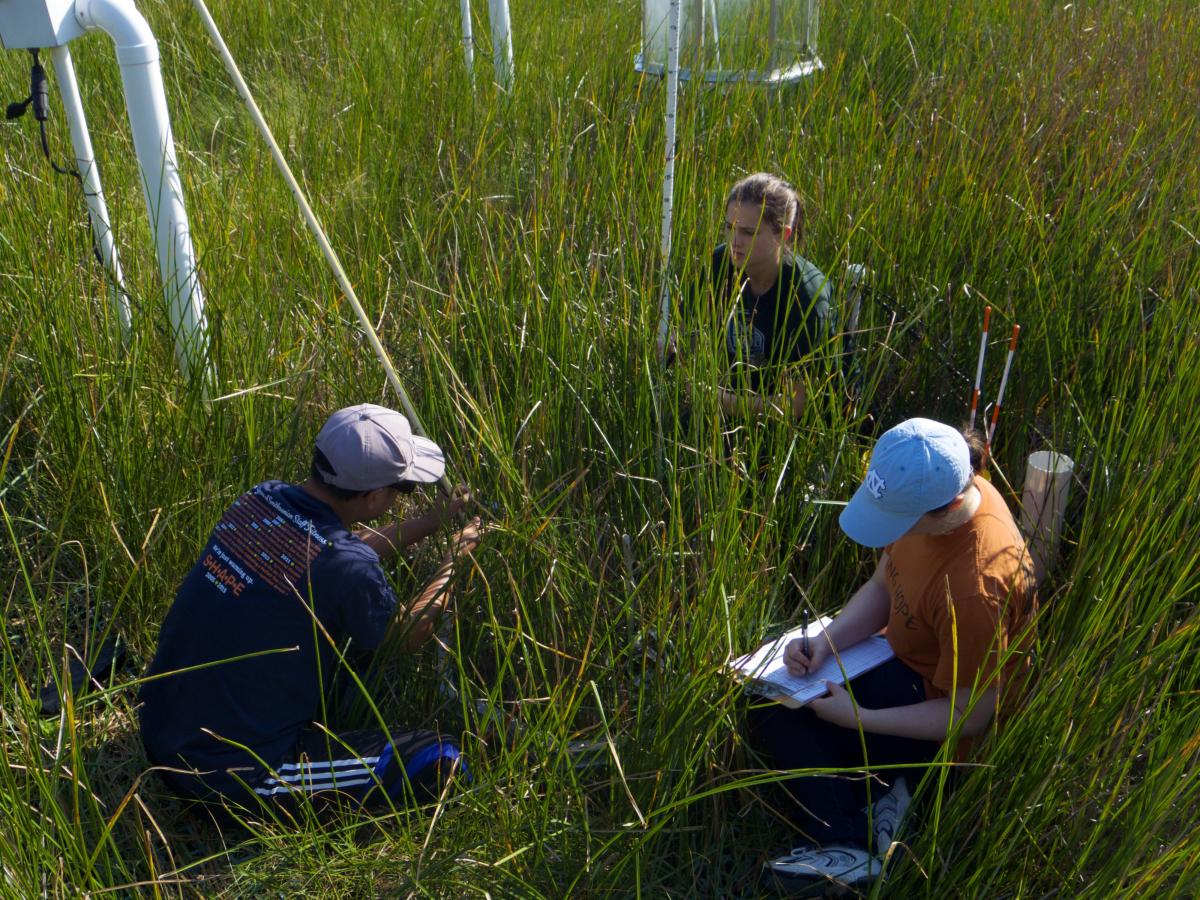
<point>974,584</point>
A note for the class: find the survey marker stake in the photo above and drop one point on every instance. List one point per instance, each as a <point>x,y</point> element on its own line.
<point>991,431</point>
<point>987,318</point>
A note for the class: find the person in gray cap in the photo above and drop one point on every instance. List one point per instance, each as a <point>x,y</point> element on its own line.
<point>954,588</point>
<point>234,708</point>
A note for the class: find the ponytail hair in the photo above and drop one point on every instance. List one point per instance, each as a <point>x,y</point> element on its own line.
<point>781,206</point>
<point>974,439</point>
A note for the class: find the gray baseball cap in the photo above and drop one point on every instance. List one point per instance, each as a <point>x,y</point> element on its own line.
<point>371,446</point>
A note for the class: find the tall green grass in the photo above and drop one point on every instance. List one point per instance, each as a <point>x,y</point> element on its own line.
<point>1037,157</point>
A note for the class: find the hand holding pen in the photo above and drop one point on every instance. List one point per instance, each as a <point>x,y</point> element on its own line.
<point>801,657</point>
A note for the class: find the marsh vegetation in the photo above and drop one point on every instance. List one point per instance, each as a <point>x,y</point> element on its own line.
<point>1037,157</point>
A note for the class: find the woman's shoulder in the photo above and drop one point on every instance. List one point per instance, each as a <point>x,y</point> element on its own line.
<point>805,277</point>
<point>994,520</point>
<point>1002,555</point>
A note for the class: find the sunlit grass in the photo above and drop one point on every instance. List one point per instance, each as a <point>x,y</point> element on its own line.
<point>1036,157</point>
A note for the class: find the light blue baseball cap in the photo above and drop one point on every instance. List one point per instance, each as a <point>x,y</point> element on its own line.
<point>915,467</point>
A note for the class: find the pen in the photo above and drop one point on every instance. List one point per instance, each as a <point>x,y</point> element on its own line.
<point>804,637</point>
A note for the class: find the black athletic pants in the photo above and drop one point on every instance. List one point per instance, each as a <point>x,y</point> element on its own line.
<point>832,809</point>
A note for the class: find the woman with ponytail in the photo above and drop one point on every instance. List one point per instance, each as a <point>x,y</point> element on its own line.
<point>775,305</point>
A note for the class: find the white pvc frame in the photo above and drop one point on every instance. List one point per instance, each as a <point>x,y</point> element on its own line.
<point>706,11</point>
<point>502,52</point>
<point>668,188</point>
<point>36,24</point>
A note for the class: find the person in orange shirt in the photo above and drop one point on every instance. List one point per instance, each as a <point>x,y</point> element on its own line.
<point>954,587</point>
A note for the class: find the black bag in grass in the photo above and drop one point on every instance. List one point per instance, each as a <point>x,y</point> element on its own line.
<point>108,655</point>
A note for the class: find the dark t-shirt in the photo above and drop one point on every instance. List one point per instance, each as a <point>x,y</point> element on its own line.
<point>766,334</point>
<point>278,563</point>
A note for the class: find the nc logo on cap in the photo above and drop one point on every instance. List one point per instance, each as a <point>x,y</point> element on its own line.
<point>875,484</point>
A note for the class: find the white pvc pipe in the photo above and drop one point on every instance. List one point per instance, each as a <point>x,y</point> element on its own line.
<point>468,37</point>
<point>1012,349</point>
<point>85,162</point>
<point>502,53</point>
<point>668,191</point>
<point>716,33</point>
<point>146,100</point>
<point>987,318</point>
<point>1043,503</point>
<point>310,218</point>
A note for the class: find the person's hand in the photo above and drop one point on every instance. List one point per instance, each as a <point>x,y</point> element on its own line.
<point>445,507</point>
<point>466,539</point>
<point>729,401</point>
<point>798,663</point>
<point>837,707</point>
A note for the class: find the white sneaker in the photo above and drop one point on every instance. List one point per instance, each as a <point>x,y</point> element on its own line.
<point>835,866</point>
<point>887,815</point>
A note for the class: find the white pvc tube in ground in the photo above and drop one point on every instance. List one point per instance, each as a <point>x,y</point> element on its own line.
<point>468,37</point>
<point>668,190</point>
<point>502,53</point>
<point>146,100</point>
<point>1043,503</point>
<point>85,162</point>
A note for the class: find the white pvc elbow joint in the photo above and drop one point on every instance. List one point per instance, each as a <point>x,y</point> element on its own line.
<point>121,21</point>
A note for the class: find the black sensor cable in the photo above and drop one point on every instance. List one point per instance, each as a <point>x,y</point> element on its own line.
<point>39,99</point>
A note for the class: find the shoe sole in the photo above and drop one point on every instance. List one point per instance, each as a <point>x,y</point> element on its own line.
<point>817,886</point>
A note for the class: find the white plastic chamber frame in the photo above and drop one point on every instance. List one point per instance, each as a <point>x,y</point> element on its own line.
<point>766,41</point>
<point>50,25</point>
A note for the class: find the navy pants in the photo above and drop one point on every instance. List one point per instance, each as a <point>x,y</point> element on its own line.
<point>355,769</point>
<point>363,768</point>
<point>832,809</point>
